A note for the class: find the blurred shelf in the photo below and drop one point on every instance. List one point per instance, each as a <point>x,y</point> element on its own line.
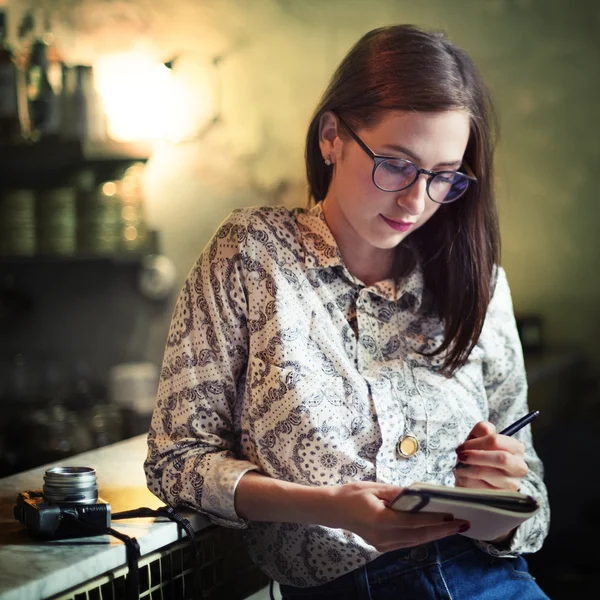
<point>124,258</point>
<point>37,164</point>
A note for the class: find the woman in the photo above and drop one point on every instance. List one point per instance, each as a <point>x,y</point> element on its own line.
<point>320,359</point>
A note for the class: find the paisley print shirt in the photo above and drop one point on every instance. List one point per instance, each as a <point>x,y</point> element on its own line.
<point>279,360</point>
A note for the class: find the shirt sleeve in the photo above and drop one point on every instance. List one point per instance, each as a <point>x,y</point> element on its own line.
<point>506,387</point>
<point>191,460</point>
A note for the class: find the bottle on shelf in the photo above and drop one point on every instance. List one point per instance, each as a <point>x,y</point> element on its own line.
<point>89,117</point>
<point>54,56</point>
<point>67,110</point>
<point>43,99</point>
<point>10,125</point>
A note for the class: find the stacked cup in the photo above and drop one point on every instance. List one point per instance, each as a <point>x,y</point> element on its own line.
<point>134,227</point>
<point>57,221</point>
<point>17,223</point>
<point>99,219</point>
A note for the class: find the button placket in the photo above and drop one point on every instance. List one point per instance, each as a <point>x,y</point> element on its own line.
<point>365,331</point>
<point>381,395</point>
<point>416,417</point>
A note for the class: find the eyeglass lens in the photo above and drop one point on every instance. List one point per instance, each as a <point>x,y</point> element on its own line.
<point>395,175</point>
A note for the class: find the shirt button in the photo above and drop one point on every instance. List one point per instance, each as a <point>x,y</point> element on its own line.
<point>419,553</point>
<point>408,445</point>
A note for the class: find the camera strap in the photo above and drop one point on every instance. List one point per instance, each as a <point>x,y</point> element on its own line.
<point>132,547</point>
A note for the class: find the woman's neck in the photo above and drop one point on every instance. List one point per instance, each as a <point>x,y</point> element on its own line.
<point>364,261</point>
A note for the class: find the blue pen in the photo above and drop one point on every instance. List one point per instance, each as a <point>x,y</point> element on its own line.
<point>511,429</point>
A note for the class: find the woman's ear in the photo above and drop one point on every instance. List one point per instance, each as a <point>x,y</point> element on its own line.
<point>329,139</point>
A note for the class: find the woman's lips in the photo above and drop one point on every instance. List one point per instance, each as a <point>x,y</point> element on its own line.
<point>398,225</point>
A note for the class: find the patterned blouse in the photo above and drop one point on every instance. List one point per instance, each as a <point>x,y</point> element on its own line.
<point>279,360</point>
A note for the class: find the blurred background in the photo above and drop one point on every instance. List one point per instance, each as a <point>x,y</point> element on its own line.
<point>129,129</point>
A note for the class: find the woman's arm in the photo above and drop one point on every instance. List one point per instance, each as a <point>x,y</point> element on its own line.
<point>359,507</point>
<point>501,461</point>
<point>191,444</point>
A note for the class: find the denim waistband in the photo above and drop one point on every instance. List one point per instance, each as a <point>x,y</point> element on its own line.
<point>396,563</point>
<point>401,561</point>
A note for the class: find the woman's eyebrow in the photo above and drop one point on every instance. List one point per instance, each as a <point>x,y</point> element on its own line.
<point>413,156</point>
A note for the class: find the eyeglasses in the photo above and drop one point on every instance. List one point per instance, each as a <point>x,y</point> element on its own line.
<point>395,174</point>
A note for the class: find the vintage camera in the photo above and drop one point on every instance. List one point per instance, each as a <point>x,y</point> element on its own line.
<point>67,507</point>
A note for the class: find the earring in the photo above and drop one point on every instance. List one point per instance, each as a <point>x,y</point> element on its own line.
<point>328,160</point>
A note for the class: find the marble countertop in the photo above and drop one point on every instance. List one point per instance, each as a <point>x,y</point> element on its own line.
<point>31,570</point>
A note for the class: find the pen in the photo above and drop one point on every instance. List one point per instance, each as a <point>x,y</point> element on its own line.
<point>512,429</point>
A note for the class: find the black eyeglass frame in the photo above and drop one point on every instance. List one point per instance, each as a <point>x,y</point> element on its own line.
<point>378,159</point>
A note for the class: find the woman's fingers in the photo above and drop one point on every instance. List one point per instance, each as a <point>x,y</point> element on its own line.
<point>475,476</point>
<point>363,508</point>
<point>493,460</point>
<point>510,464</point>
<point>481,429</point>
<point>474,483</point>
<point>401,519</point>
<point>493,442</point>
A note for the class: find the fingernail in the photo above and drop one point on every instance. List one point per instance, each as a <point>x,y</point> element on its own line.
<point>460,449</point>
<point>464,527</point>
<point>448,518</point>
<point>463,457</point>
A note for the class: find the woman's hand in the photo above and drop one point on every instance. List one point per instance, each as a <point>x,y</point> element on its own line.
<point>493,461</point>
<point>362,508</point>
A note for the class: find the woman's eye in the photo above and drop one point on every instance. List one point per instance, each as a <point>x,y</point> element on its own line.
<point>444,178</point>
<point>397,168</point>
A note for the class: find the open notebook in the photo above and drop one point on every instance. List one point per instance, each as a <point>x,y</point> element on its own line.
<point>491,513</point>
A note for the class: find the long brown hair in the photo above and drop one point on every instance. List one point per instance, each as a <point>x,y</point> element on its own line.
<point>404,68</point>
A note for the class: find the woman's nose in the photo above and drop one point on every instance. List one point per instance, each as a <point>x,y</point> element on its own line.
<point>413,198</point>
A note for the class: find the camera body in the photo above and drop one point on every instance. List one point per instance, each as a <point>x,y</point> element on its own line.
<point>68,507</point>
<point>53,520</point>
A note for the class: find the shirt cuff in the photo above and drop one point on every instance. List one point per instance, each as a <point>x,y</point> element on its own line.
<point>218,494</point>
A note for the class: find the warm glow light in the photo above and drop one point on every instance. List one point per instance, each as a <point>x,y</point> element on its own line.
<point>128,213</point>
<point>109,188</point>
<point>130,233</point>
<point>142,99</point>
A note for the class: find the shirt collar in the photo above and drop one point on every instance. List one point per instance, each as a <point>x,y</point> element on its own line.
<point>320,248</point>
<point>322,252</point>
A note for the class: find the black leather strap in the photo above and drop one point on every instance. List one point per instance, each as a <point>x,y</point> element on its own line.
<point>132,549</point>
<point>132,546</point>
<point>172,515</point>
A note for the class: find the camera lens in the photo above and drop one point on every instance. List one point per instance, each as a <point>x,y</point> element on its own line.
<point>71,485</point>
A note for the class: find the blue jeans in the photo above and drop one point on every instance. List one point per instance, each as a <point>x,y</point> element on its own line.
<point>449,569</point>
